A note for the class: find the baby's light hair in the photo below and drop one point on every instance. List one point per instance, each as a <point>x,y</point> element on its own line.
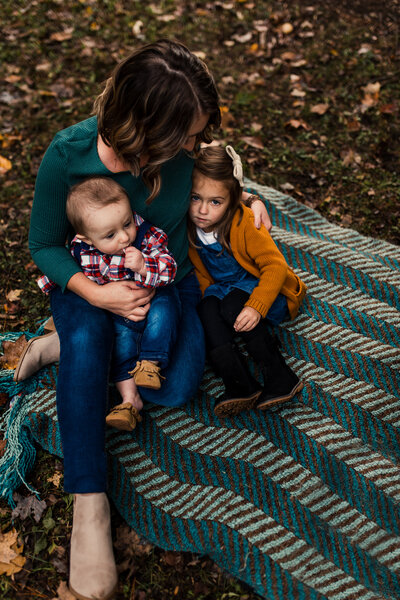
<point>92,193</point>
<point>215,163</point>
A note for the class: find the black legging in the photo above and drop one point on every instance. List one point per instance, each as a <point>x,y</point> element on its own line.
<point>218,317</point>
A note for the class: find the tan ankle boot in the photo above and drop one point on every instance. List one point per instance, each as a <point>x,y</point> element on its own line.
<point>39,352</point>
<point>93,574</point>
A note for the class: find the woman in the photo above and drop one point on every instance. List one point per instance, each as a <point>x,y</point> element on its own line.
<point>156,107</point>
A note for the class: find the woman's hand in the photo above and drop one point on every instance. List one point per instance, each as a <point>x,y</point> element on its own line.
<point>123,298</point>
<point>247,319</point>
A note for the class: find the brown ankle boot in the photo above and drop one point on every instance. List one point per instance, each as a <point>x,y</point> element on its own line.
<point>147,374</point>
<point>93,574</point>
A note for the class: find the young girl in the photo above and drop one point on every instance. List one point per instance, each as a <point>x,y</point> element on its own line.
<point>246,283</point>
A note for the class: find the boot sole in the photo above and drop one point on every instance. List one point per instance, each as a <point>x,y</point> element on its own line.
<point>233,406</point>
<point>80,597</point>
<point>281,399</point>
<point>121,425</point>
<point>148,385</point>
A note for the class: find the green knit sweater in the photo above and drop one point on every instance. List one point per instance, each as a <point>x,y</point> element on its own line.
<point>71,157</point>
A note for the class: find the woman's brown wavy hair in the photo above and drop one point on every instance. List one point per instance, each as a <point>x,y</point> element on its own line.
<point>149,104</point>
<point>215,163</point>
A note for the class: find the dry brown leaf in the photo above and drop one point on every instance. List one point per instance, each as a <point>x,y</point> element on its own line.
<point>172,559</point>
<point>156,9</point>
<point>7,139</point>
<point>129,543</point>
<point>55,479</point>
<point>63,593</point>
<point>61,36</point>
<point>13,295</point>
<point>13,78</point>
<point>371,95</point>
<point>253,141</point>
<point>11,559</point>
<point>388,109</point>
<point>346,220</point>
<point>353,125</point>
<point>299,63</point>
<point>319,109</point>
<point>43,66</point>
<point>350,157</point>
<point>289,56</point>
<point>5,165</point>
<point>256,126</point>
<point>297,123</point>
<point>166,18</point>
<point>11,353</point>
<point>372,88</point>
<point>137,28</point>
<point>287,187</point>
<point>297,93</point>
<point>243,39</point>
<point>364,49</point>
<point>28,505</point>
<point>286,28</point>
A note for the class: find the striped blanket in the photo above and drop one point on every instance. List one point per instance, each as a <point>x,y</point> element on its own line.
<point>302,501</point>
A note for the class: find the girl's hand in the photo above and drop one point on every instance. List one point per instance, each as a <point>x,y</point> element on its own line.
<point>261,216</point>
<point>247,319</point>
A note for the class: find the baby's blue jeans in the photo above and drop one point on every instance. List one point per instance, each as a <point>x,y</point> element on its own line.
<point>86,338</point>
<point>150,339</point>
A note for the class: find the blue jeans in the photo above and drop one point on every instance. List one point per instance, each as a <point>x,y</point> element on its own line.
<point>86,339</point>
<point>150,339</point>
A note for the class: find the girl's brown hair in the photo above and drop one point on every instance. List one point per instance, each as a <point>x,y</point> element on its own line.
<point>149,104</point>
<point>214,162</point>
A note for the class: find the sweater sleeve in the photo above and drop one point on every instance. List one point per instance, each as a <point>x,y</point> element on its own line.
<point>270,263</point>
<point>49,225</point>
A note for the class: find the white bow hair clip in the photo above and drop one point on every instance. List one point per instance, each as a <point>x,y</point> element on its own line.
<point>237,164</point>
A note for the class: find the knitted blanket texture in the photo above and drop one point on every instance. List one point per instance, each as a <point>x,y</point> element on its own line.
<point>302,502</point>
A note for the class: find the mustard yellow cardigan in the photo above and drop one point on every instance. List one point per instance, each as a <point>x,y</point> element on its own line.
<point>255,251</point>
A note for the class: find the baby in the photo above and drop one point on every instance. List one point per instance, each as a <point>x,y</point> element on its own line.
<point>112,243</point>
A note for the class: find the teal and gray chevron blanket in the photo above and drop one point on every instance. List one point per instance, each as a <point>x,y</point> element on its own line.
<point>301,502</point>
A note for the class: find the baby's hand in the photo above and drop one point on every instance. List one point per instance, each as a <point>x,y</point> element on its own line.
<point>247,319</point>
<point>134,261</point>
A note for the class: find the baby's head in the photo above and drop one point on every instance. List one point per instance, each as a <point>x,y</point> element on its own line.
<point>98,209</point>
<point>216,191</point>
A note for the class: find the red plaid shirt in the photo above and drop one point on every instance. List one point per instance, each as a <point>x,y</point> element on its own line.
<point>103,268</point>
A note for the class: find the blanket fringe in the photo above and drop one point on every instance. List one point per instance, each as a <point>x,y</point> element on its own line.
<point>20,452</point>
